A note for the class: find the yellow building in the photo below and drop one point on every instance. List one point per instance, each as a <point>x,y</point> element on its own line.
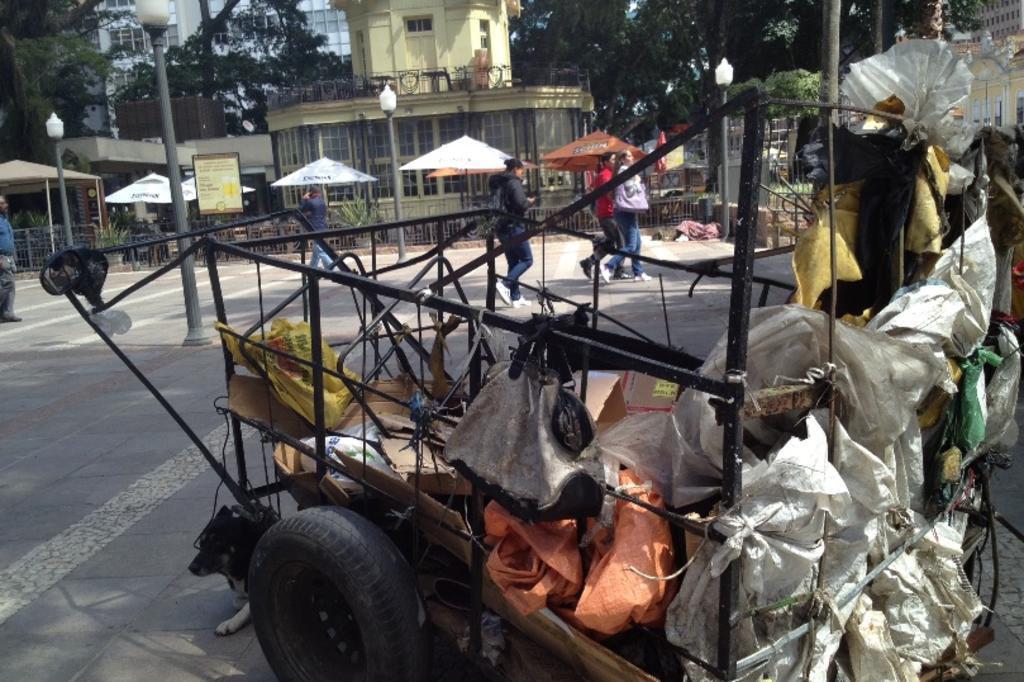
<point>997,93</point>
<point>449,62</point>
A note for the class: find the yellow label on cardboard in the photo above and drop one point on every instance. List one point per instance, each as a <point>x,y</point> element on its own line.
<point>665,389</point>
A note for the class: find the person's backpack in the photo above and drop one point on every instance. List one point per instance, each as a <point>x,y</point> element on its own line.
<point>496,203</point>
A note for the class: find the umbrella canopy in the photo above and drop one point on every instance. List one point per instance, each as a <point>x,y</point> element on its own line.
<point>323,172</point>
<point>463,154</point>
<point>15,173</point>
<point>152,189</point>
<point>583,154</point>
<point>450,172</point>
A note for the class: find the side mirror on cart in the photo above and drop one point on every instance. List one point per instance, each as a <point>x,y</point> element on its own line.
<point>80,270</point>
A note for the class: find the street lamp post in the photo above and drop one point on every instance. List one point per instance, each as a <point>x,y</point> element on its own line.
<point>388,104</point>
<point>723,78</point>
<point>55,129</point>
<point>154,16</point>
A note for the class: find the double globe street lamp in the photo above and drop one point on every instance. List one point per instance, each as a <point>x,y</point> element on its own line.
<point>388,104</point>
<point>55,129</point>
<point>154,15</point>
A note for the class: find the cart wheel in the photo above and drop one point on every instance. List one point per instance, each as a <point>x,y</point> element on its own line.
<point>332,599</point>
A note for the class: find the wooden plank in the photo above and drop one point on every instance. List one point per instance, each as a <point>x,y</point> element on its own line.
<point>589,659</point>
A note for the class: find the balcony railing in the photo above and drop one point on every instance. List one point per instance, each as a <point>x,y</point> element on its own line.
<point>430,81</point>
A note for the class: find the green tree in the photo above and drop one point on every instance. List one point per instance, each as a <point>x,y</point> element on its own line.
<point>262,46</point>
<point>47,63</point>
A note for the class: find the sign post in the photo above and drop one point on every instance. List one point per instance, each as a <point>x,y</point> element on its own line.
<point>218,183</point>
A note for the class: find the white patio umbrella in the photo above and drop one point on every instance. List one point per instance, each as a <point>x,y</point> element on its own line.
<point>152,189</point>
<point>323,172</point>
<point>463,154</point>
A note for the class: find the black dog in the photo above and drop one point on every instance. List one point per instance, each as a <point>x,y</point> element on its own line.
<point>226,547</point>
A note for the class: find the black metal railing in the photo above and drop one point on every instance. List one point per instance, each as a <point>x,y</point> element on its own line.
<point>430,81</point>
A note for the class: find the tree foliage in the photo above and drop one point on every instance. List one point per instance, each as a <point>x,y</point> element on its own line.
<point>239,57</point>
<point>47,64</point>
<point>653,60</point>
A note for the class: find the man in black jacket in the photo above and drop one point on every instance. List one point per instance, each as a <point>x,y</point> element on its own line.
<point>519,256</point>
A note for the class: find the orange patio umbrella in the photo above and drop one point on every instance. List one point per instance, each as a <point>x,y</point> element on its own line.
<point>583,154</point>
<point>452,172</point>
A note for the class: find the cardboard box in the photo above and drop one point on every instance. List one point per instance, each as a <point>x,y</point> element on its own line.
<point>605,400</point>
<point>443,480</point>
<point>252,398</point>
<point>644,393</point>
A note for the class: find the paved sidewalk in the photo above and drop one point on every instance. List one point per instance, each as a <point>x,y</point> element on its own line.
<point>102,495</point>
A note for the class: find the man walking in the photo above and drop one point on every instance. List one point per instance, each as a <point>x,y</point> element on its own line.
<point>605,212</point>
<point>7,268</point>
<point>519,256</point>
<point>314,208</point>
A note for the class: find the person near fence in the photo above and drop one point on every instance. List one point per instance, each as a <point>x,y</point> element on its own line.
<point>604,210</point>
<point>630,200</point>
<point>7,268</point>
<point>314,208</point>
<point>519,256</point>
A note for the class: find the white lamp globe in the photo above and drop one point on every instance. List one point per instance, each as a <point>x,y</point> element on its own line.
<point>153,12</point>
<point>723,73</point>
<point>55,127</point>
<point>388,100</point>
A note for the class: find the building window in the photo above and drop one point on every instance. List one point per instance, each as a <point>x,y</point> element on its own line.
<point>425,136</point>
<point>420,25</point>
<point>114,4</point>
<point>406,133</point>
<point>429,184</point>
<point>985,113</point>
<point>172,36</point>
<point>410,184</point>
<point>339,193</point>
<point>497,130</point>
<point>382,171</point>
<point>449,128</point>
<point>334,143</point>
<point>129,39</point>
<point>379,146</point>
<point>454,184</point>
<point>1020,108</point>
<point>976,111</point>
<point>999,111</point>
<point>485,34</point>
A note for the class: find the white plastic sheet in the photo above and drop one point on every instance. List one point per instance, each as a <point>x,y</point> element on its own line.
<point>778,532</point>
<point>926,599</point>
<point>928,77</point>
<point>1001,431</point>
<point>881,381</point>
<point>976,284</point>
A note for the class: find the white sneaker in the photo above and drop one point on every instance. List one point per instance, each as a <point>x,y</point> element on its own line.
<point>521,302</point>
<point>642,277</point>
<point>503,293</point>
<point>606,274</point>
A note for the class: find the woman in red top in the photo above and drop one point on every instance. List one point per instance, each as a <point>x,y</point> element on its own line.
<point>605,211</point>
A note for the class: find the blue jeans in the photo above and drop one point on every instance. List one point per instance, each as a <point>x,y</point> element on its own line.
<point>631,242</point>
<point>319,255</point>
<point>519,258</point>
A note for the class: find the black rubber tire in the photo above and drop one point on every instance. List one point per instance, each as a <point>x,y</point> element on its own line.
<point>333,599</point>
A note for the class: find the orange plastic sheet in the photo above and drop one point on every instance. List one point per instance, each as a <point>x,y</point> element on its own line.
<point>616,596</point>
<point>540,565</point>
<point>533,565</point>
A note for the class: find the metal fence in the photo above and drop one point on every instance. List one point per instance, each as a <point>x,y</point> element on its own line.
<point>428,81</point>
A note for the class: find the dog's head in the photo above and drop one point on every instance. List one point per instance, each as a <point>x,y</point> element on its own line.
<point>226,545</point>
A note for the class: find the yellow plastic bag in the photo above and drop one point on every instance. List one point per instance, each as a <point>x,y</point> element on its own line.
<point>292,381</point>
